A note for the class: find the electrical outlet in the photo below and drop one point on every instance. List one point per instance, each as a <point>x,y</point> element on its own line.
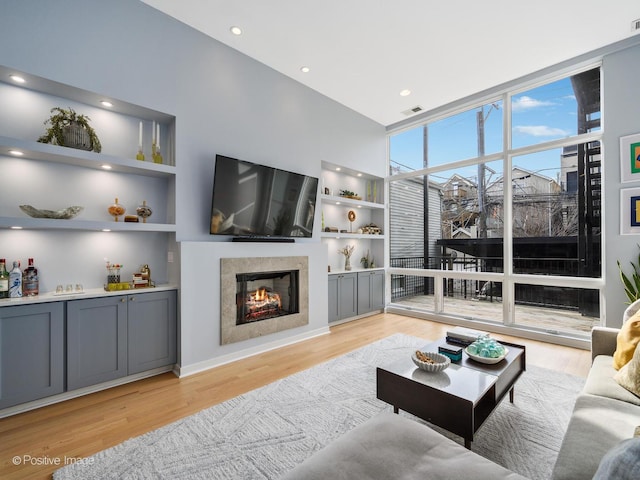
<point>170,257</point>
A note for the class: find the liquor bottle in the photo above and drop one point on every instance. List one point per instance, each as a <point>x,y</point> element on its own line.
<point>4,279</point>
<point>15,281</point>
<point>30,282</point>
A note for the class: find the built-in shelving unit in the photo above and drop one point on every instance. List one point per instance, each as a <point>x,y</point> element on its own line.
<point>53,177</point>
<point>369,209</point>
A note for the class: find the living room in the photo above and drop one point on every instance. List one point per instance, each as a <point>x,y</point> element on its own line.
<point>219,101</point>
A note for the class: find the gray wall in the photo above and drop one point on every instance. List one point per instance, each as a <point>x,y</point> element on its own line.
<point>224,102</point>
<point>621,94</point>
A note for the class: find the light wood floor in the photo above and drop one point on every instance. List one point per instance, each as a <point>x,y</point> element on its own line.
<point>81,427</point>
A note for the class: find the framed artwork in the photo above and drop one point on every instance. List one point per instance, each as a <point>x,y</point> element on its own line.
<point>630,158</point>
<point>630,211</point>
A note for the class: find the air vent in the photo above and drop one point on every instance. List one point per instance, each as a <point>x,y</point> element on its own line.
<point>635,26</point>
<point>413,110</point>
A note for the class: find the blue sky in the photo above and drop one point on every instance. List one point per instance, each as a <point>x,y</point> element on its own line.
<point>542,114</point>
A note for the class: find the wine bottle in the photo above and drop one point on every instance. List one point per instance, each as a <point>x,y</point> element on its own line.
<point>4,279</point>
<point>15,281</point>
<point>30,282</point>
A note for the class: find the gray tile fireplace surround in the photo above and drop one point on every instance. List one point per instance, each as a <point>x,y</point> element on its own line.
<point>230,332</point>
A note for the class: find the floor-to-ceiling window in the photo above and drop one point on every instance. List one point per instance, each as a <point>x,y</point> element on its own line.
<point>495,209</point>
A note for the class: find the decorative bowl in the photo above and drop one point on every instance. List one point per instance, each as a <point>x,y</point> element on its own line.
<point>64,214</point>
<point>440,362</point>
<point>486,360</point>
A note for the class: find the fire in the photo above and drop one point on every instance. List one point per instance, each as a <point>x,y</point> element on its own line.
<point>259,295</point>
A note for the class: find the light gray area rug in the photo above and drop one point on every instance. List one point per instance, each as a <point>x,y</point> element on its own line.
<point>266,432</point>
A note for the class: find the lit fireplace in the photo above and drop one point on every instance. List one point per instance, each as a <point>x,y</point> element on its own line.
<point>264,295</point>
<point>249,291</point>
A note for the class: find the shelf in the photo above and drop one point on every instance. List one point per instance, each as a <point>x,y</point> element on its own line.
<point>80,158</point>
<point>344,201</point>
<point>86,225</point>
<point>362,236</point>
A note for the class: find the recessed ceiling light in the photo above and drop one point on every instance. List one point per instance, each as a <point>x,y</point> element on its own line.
<point>305,69</point>
<point>406,92</point>
<point>106,229</point>
<point>106,167</point>
<point>358,175</point>
<point>236,30</point>
<point>338,169</point>
<point>17,153</point>
<point>106,103</point>
<point>17,78</point>
<point>16,227</point>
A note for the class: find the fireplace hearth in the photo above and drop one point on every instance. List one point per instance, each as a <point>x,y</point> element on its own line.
<point>262,295</point>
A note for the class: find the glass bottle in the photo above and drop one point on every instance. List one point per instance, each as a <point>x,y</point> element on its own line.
<point>15,281</point>
<point>4,279</point>
<point>30,282</point>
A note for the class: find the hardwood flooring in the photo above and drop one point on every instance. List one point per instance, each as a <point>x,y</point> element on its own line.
<point>83,426</point>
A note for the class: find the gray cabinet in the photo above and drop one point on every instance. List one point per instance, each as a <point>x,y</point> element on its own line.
<point>343,296</point>
<point>112,337</point>
<point>152,337</point>
<point>96,341</point>
<point>31,352</point>
<point>370,291</point>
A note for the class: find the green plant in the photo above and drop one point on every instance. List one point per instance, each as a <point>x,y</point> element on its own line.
<point>63,118</point>
<point>348,193</point>
<point>631,285</point>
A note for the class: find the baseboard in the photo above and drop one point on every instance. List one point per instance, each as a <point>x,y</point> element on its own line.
<point>185,371</point>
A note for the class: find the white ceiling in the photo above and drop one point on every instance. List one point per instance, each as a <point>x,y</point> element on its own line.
<point>362,53</point>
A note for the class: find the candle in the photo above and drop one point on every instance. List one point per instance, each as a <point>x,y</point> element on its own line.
<point>153,133</point>
<point>140,136</point>
<point>158,136</point>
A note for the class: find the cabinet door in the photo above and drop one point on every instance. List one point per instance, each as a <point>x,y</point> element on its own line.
<point>347,295</point>
<point>370,291</point>
<point>31,352</point>
<point>364,292</point>
<point>333,298</point>
<point>151,331</point>
<point>96,341</point>
<point>376,290</point>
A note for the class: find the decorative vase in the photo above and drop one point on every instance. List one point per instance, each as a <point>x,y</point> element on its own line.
<point>116,210</point>
<point>144,211</point>
<point>347,263</point>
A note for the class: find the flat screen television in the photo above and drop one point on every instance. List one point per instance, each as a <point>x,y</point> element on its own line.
<point>252,200</point>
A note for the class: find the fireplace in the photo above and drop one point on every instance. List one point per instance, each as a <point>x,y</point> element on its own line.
<point>262,295</point>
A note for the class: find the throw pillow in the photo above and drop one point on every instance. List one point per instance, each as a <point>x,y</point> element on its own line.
<point>628,338</point>
<point>629,375</point>
<point>631,311</point>
<point>621,462</point>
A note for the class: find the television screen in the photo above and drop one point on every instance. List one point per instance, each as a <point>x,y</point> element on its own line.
<point>256,200</point>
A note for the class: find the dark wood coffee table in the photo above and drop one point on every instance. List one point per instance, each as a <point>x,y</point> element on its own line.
<point>458,399</point>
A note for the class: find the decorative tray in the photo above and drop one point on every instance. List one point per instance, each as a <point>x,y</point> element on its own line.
<point>486,360</point>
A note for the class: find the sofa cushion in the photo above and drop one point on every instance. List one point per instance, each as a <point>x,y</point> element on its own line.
<point>621,462</point>
<point>389,446</point>
<point>628,338</point>
<point>600,381</point>
<point>629,375</point>
<point>596,426</point>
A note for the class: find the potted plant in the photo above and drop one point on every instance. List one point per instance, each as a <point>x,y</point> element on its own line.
<point>68,129</point>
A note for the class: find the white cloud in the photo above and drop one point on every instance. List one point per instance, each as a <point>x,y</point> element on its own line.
<point>540,131</point>
<point>526,103</point>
